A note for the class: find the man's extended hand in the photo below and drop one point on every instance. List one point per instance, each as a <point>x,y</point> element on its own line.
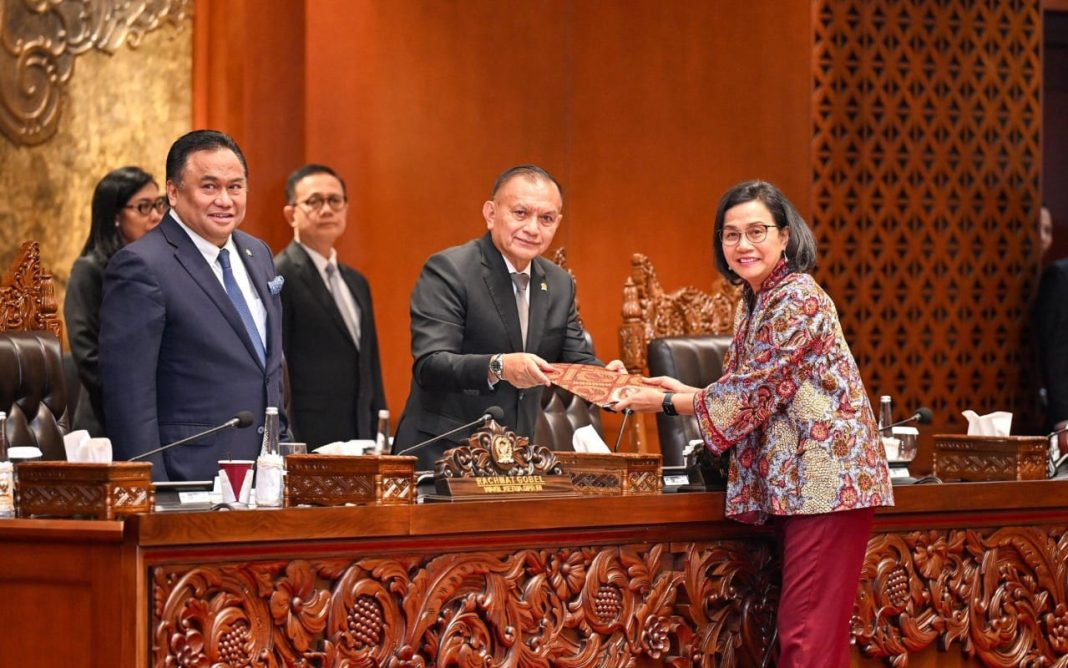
<point>524,370</point>
<point>617,366</point>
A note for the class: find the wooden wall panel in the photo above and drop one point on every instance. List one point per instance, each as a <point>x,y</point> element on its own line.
<point>925,175</point>
<point>646,111</point>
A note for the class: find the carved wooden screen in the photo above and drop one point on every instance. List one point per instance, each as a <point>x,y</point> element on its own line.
<point>925,186</point>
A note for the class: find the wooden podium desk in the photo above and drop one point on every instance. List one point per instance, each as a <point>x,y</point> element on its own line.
<point>956,574</point>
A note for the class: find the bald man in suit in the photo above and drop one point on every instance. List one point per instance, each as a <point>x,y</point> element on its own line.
<point>475,343</point>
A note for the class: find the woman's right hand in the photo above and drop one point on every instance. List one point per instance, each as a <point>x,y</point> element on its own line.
<point>669,384</point>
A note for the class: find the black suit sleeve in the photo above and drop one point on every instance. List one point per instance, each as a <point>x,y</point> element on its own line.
<point>439,318</point>
<point>81,310</point>
<point>1051,320</point>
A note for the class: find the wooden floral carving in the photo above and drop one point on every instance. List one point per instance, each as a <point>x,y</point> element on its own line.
<point>649,312</point>
<point>675,604</point>
<point>997,595</point>
<point>28,295</point>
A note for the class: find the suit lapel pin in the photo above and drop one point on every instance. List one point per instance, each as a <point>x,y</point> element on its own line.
<point>248,252</point>
<point>544,287</point>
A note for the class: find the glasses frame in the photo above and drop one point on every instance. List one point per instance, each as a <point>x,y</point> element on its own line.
<point>144,207</point>
<point>751,228</point>
<point>323,201</point>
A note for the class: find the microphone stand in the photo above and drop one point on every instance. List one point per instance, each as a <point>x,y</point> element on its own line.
<point>232,422</point>
<point>477,423</point>
<point>626,414</point>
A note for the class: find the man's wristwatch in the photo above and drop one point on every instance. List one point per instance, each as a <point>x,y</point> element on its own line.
<point>496,366</point>
<point>669,407</point>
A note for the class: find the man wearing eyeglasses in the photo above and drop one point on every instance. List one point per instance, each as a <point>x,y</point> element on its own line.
<point>328,324</point>
<point>191,322</point>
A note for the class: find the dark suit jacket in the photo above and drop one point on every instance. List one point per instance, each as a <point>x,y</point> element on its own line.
<point>463,311</point>
<point>1051,329</point>
<point>175,358</point>
<point>81,310</point>
<point>335,390</point>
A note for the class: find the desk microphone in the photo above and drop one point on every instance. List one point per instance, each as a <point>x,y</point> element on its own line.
<point>241,419</point>
<point>1054,465</point>
<point>492,413</point>
<point>923,415</point>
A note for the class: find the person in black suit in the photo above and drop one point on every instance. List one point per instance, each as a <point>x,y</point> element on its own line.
<point>328,323</point>
<point>126,204</point>
<point>1051,331</point>
<point>468,326</point>
<point>191,323</point>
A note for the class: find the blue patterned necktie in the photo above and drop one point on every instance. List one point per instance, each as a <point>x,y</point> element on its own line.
<point>234,293</point>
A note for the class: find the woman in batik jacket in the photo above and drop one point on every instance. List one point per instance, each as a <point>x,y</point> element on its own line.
<point>792,409</point>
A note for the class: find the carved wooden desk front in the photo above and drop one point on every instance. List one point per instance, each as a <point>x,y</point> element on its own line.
<point>978,569</point>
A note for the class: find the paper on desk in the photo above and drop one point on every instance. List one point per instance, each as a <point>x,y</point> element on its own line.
<point>993,424</point>
<point>83,449</point>
<point>586,439</point>
<point>355,447</point>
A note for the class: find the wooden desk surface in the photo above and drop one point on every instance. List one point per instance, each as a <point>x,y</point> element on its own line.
<point>985,552</point>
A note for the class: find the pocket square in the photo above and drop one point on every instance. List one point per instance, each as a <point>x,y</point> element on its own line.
<point>275,284</point>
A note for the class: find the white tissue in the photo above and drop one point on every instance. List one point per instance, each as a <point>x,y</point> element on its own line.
<point>357,447</point>
<point>586,439</point>
<point>82,449</point>
<point>994,424</point>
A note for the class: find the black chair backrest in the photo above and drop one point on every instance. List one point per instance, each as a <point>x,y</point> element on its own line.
<point>696,361</point>
<point>32,391</point>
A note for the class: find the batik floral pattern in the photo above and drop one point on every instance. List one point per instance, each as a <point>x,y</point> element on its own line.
<point>792,406</point>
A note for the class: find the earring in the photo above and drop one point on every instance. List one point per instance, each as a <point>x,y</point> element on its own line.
<point>785,258</point>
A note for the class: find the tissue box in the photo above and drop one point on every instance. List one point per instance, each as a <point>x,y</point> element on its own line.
<point>613,474</point>
<point>337,480</point>
<point>99,491</point>
<point>980,458</point>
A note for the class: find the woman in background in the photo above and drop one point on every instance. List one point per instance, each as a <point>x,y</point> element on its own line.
<point>791,407</point>
<point>126,204</point>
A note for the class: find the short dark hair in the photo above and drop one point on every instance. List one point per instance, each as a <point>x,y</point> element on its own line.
<point>529,171</point>
<point>112,194</point>
<point>801,247</point>
<point>199,140</point>
<point>305,171</point>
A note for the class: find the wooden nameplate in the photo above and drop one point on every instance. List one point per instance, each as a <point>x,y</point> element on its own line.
<point>613,474</point>
<point>496,464</point>
<point>337,480</point>
<point>98,491</point>
<point>982,458</point>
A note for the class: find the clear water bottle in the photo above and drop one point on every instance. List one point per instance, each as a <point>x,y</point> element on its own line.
<point>885,419</point>
<point>383,442</point>
<point>269,465</point>
<point>886,414</point>
<point>7,473</point>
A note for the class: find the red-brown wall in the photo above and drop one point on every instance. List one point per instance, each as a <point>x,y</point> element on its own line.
<point>646,111</point>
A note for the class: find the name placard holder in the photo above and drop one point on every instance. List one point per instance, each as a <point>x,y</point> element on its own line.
<point>496,464</point>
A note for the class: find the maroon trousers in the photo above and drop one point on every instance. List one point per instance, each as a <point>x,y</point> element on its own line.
<point>821,560</point>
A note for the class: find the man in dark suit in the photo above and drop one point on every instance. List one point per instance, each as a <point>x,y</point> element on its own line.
<point>1051,331</point>
<point>191,321</point>
<point>474,305</point>
<point>328,324</point>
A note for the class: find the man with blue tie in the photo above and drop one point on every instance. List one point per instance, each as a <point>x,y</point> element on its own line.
<point>191,320</point>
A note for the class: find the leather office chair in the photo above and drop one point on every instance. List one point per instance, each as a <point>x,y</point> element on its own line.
<point>705,318</point>
<point>32,386</point>
<point>32,391</point>
<point>696,361</point>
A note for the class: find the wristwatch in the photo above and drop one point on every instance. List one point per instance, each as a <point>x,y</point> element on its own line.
<point>669,407</point>
<point>496,366</point>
